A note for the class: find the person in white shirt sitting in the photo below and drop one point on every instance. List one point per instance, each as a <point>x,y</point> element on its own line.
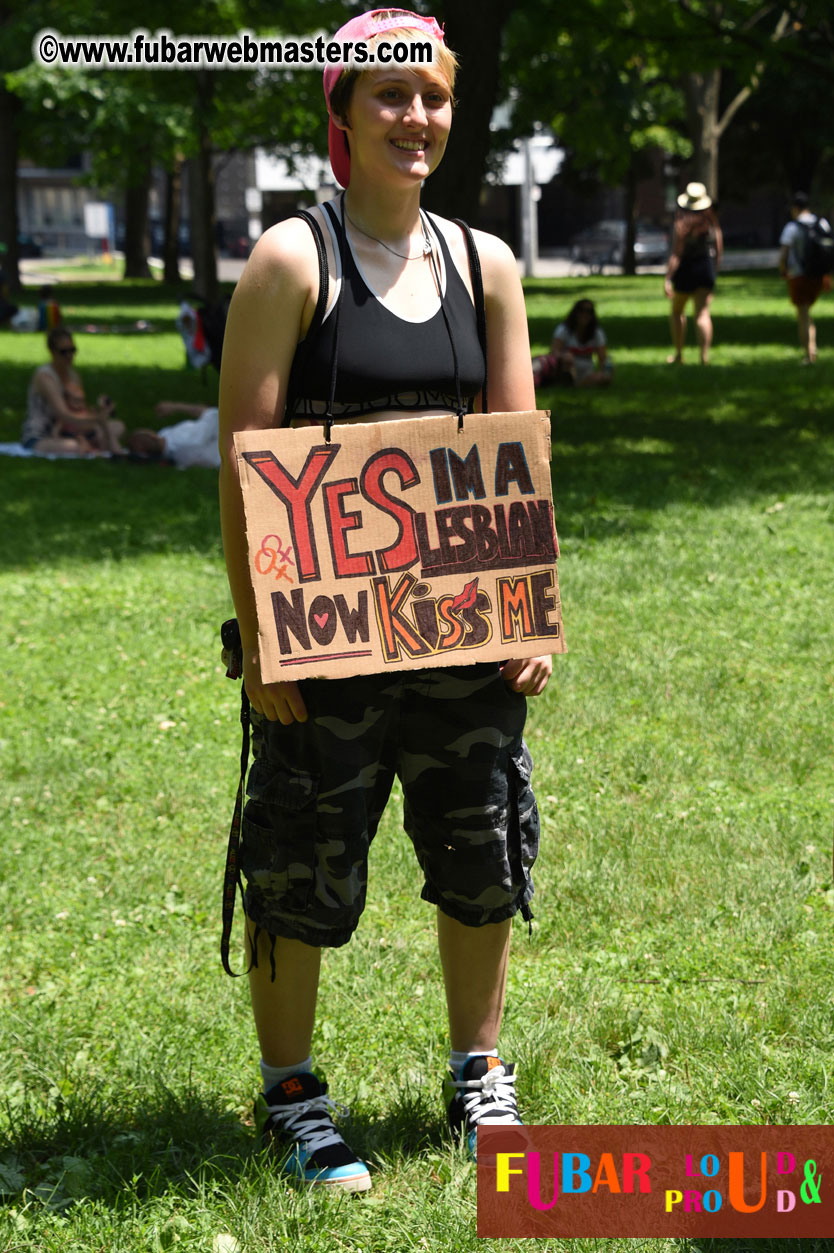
<point>578,353</point>
<point>192,442</point>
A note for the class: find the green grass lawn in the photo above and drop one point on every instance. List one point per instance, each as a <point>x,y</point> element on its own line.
<point>680,966</point>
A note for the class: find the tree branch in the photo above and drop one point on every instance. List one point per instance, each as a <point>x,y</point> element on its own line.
<point>732,109</point>
<point>747,91</point>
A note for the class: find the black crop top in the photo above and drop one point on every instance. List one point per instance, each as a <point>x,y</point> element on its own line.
<point>384,361</point>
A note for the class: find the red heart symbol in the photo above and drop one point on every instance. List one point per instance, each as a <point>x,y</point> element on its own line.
<point>320,620</point>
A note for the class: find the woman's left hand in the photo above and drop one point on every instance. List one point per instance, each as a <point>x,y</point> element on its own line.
<point>528,675</point>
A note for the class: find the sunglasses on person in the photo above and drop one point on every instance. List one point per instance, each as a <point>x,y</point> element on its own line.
<point>67,352</point>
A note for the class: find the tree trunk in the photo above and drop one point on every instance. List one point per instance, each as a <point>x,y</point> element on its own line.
<point>173,201</point>
<point>10,108</point>
<point>629,262</point>
<point>201,210</point>
<point>454,189</point>
<point>702,93</point>
<point>137,242</point>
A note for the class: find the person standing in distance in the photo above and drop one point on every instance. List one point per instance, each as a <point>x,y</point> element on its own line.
<point>697,248</point>
<point>803,289</point>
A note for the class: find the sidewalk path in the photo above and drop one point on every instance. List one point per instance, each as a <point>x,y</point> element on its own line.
<point>560,265</point>
<point>557,265</point>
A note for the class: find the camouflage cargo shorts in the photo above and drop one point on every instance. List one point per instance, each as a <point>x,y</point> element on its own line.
<point>316,791</point>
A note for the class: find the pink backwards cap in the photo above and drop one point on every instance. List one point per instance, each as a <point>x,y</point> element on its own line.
<point>360,29</point>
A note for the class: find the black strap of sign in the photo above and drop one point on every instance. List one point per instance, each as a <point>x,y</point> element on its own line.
<point>231,880</point>
<point>461,408</point>
<point>478,293</point>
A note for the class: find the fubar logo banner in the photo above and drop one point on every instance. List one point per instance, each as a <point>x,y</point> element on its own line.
<point>656,1181</point>
<point>401,544</point>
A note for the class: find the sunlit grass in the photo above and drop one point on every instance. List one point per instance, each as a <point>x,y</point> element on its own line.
<point>680,965</point>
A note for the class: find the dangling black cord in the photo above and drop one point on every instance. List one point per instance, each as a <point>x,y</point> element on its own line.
<point>231,879</point>
<point>461,408</point>
<point>328,417</point>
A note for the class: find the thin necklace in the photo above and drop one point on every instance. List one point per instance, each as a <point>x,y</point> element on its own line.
<point>404,256</point>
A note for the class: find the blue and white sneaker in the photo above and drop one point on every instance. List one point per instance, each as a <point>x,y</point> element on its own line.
<point>482,1095</point>
<point>295,1124</point>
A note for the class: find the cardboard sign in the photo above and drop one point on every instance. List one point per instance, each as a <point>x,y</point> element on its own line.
<point>401,544</point>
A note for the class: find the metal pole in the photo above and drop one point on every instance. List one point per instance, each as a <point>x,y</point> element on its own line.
<point>529,223</point>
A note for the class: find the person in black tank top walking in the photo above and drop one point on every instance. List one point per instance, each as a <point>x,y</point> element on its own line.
<point>697,247</point>
<point>391,332</point>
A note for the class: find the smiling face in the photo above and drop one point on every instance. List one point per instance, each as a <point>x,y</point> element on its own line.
<point>397,124</point>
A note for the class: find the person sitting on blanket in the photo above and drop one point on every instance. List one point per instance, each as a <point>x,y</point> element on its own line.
<point>578,354</point>
<point>58,418</point>
<point>192,442</point>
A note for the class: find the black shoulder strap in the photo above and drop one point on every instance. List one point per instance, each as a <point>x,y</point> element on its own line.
<point>478,292</point>
<point>340,233</point>
<point>321,303</point>
<point>318,315</point>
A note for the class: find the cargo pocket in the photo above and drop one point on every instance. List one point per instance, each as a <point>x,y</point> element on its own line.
<point>278,853</point>
<point>523,832</point>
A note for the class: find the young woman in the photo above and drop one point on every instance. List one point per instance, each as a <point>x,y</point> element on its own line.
<point>326,751</point>
<point>58,418</point>
<point>695,259</point>
<point>578,353</point>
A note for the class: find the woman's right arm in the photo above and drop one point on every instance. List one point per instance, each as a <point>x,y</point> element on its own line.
<point>270,310</point>
<point>169,408</point>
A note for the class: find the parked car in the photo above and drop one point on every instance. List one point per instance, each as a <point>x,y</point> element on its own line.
<point>604,244</point>
<point>239,247</point>
<point>28,247</point>
<point>157,231</point>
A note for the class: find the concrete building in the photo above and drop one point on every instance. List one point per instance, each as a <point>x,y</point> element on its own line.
<point>50,205</point>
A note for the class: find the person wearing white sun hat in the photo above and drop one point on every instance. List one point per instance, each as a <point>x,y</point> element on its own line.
<point>697,248</point>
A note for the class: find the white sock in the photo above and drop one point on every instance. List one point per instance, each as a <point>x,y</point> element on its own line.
<point>275,1074</point>
<point>458,1060</point>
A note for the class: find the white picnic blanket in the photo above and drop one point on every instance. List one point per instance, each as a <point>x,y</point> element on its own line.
<point>17,450</point>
